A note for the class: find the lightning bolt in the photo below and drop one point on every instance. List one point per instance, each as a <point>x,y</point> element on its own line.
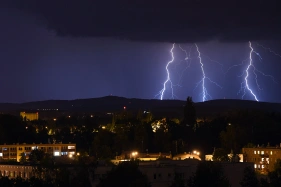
<point>168,79</point>
<point>247,72</point>
<point>250,70</point>
<point>245,84</point>
<point>213,61</point>
<point>235,66</point>
<point>205,93</point>
<point>187,59</point>
<point>268,49</point>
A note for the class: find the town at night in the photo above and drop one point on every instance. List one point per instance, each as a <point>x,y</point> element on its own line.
<point>121,93</point>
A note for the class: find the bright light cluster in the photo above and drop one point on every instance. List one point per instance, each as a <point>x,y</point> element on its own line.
<point>159,124</point>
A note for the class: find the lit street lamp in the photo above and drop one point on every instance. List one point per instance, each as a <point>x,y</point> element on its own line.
<point>134,154</point>
<point>196,153</point>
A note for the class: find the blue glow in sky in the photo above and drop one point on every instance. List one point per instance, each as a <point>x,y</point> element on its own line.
<point>38,65</point>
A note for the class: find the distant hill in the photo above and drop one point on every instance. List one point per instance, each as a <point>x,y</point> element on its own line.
<point>164,107</point>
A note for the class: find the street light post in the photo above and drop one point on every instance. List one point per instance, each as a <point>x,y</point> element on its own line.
<point>196,153</point>
<point>134,154</point>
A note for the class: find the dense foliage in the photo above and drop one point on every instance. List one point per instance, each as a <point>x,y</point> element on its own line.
<point>126,174</point>
<point>209,174</point>
<point>104,137</point>
<point>110,135</point>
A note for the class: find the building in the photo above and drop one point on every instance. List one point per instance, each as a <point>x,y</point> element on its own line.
<point>127,155</point>
<point>191,155</point>
<point>28,116</point>
<point>240,157</point>
<point>14,171</point>
<point>161,173</point>
<point>14,152</point>
<point>263,158</point>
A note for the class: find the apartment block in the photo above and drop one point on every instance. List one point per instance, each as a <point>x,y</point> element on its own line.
<point>14,171</point>
<point>161,173</point>
<point>15,151</point>
<point>29,116</point>
<point>263,158</point>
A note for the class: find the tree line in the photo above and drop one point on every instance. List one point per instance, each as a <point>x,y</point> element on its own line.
<point>124,131</point>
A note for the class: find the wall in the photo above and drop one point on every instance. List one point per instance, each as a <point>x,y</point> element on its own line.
<point>13,171</point>
<point>29,116</point>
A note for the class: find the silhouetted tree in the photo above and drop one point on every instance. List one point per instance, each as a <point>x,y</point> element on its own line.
<point>102,144</point>
<point>140,137</point>
<point>220,155</point>
<point>250,178</point>
<point>140,115</point>
<point>275,175</point>
<point>178,181</point>
<point>23,158</point>
<point>234,138</point>
<point>81,172</point>
<point>36,156</point>
<point>12,129</point>
<point>162,141</point>
<point>189,113</point>
<point>148,117</point>
<point>20,182</point>
<point>189,122</point>
<point>121,140</point>
<point>209,174</point>
<point>5,181</point>
<point>126,174</point>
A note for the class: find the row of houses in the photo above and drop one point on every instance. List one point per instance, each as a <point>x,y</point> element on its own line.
<point>16,151</point>
<point>159,171</point>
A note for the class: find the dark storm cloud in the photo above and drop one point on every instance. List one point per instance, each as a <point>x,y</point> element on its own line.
<point>168,21</point>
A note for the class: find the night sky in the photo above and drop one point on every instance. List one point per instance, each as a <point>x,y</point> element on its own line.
<point>51,50</point>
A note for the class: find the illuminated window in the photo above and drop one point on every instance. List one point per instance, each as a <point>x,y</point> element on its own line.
<point>71,153</point>
<point>255,152</point>
<point>262,166</point>
<point>71,147</point>
<point>262,152</point>
<point>271,152</point>
<point>1,154</point>
<point>63,153</point>
<point>258,152</point>
<point>262,159</point>
<point>255,166</point>
<point>56,153</point>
